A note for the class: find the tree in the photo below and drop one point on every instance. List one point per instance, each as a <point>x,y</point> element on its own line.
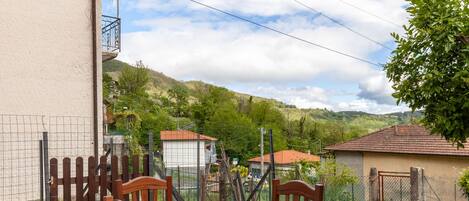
<point>134,80</point>
<point>236,131</point>
<point>178,96</point>
<point>430,67</point>
<point>264,112</point>
<point>208,102</point>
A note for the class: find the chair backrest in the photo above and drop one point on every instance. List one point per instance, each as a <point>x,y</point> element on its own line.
<point>297,189</point>
<point>142,187</point>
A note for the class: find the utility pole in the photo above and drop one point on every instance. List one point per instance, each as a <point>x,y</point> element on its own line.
<point>262,151</point>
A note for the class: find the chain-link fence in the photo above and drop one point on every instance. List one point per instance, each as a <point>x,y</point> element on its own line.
<point>442,189</point>
<point>69,136</point>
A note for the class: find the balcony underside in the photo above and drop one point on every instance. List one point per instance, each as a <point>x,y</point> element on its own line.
<point>109,55</point>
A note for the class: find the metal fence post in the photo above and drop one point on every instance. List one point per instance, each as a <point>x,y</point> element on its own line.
<point>41,170</point>
<point>198,167</point>
<point>151,153</point>
<point>150,160</point>
<point>179,178</point>
<point>45,146</point>
<point>400,187</point>
<point>112,146</point>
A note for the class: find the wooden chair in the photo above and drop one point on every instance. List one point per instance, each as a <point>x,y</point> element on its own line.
<point>297,189</point>
<point>140,188</point>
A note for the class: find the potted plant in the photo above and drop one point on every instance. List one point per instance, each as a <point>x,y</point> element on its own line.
<point>463,182</point>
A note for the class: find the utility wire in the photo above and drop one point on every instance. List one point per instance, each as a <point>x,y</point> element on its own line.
<point>343,25</point>
<point>370,13</point>
<point>288,35</point>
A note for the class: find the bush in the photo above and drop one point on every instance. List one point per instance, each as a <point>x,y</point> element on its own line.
<point>463,182</point>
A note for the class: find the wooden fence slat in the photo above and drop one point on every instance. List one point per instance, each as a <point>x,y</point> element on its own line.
<point>296,197</point>
<point>125,172</point>
<point>135,171</point>
<point>79,179</point>
<point>96,183</point>
<point>54,191</point>
<point>114,174</point>
<point>66,176</point>
<point>103,177</point>
<point>135,166</point>
<point>155,195</point>
<point>91,179</point>
<point>146,172</point>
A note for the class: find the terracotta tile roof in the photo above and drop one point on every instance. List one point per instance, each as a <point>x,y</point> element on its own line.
<point>183,135</point>
<point>286,157</point>
<point>407,139</point>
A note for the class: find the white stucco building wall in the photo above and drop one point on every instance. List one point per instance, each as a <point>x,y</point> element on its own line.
<point>183,154</point>
<point>46,69</point>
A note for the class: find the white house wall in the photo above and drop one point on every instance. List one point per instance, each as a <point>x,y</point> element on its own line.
<point>182,154</point>
<point>46,69</point>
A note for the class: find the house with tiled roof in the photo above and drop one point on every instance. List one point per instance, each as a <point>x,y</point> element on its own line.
<point>400,147</point>
<point>284,160</point>
<point>180,149</point>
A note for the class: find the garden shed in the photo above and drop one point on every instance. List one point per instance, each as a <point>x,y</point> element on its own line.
<point>180,149</point>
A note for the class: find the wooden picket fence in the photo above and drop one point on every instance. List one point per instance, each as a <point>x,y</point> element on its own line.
<point>98,180</point>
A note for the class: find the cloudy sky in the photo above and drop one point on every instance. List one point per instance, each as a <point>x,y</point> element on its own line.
<point>189,42</point>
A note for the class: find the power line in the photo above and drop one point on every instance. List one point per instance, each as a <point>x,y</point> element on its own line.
<point>288,35</point>
<point>370,13</point>
<point>343,25</point>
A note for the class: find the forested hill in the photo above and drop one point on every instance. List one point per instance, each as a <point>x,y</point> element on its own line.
<point>160,84</point>
<point>166,103</point>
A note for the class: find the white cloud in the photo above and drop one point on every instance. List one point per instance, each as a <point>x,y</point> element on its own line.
<point>369,106</point>
<point>302,97</point>
<point>315,97</point>
<point>228,52</point>
<point>208,46</point>
<point>377,88</point>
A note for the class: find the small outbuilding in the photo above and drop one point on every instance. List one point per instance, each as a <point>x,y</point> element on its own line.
<point>284,161</point>
<point>180,149</point>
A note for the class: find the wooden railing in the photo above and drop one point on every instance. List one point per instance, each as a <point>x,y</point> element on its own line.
<point>143,187</point>
<point>297,190</point>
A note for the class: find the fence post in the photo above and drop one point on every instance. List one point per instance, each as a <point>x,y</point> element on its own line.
<point>222,185</point>
<point>198,167</point>
<point>203,185</point>
<point>416,184</point>
<point>54,182</point>
<point>151,153</point>
<point>41,171</point>
<point>374,185</point>
<point>45,146</point>
<point>179,178</point>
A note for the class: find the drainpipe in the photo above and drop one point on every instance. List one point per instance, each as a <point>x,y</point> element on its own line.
<point>95,77</point>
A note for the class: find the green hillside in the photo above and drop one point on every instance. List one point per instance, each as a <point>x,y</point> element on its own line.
<point>235,118</point>
<point>160,84</point>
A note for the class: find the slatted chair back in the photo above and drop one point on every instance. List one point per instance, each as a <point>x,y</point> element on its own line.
<point>297,189</point>
<point>141,188</point>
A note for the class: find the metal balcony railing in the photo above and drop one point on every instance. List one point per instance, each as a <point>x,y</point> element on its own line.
<point>111,34</point>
